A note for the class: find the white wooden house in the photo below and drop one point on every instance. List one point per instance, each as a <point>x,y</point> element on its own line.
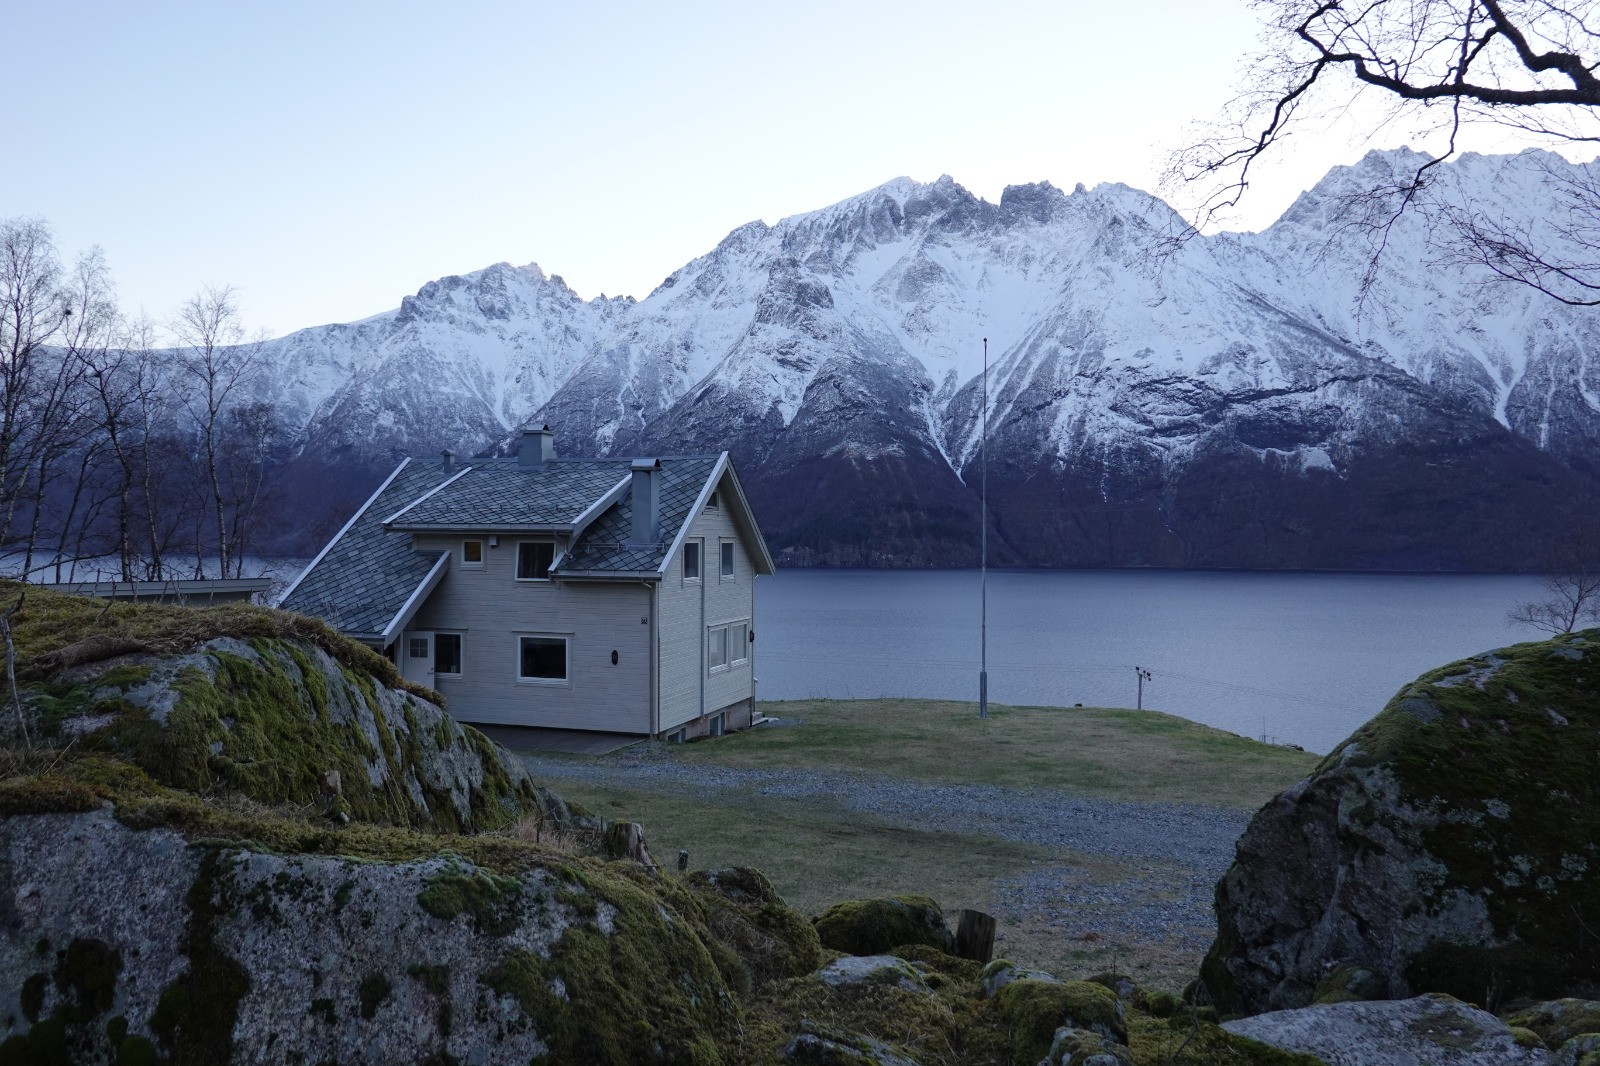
<point>598,594</point>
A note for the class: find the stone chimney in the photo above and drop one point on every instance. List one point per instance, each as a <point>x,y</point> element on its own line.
<point>449,458</point>
<point>538,447</point>
<point>646,502</point>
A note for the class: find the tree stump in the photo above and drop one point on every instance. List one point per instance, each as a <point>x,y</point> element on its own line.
<point>975,936</point>
<point>625,840</point>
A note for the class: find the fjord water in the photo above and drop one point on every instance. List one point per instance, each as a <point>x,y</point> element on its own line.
<point>1300,658</point>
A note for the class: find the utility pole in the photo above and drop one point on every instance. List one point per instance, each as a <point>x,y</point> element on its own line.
<point>983,539</point>
<point>1143,675</point>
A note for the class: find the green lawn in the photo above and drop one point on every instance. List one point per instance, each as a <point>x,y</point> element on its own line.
<point>1095,751</point>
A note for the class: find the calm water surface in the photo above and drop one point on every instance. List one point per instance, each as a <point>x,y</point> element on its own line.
<point>1298,658</point>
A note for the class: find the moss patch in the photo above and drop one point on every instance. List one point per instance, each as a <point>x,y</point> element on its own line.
<point>492,901</point>
<point>1033,1010</point>
<point>874,926</point>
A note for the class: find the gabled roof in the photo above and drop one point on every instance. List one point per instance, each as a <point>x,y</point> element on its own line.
<point>368,581</point>
<point>363,580</point>
<point>603,549</point>
<point>498,494</point>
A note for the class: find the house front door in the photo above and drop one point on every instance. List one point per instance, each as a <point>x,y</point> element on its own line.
<point>416,658</point>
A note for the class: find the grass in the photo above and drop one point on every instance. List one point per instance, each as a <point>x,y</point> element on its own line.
<point>817,852</point>
<point>1142,756</point>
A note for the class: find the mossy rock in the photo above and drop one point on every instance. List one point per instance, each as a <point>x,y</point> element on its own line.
<point>265,704</point>
<point>1450,845</point>
<point>1348,984</point>
<point>876,926</point>
<point>1035,1009</point>
<point>1558,1021</point>
<point>1180,1041</point>
<point>760,938</point>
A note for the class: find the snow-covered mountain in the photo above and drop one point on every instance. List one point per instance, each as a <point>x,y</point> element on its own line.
<point>1235,400</point>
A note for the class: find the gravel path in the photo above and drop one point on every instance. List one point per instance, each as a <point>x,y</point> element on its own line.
<point>1166,857</point>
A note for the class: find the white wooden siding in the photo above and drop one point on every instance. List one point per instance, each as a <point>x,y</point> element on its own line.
<point>490,608</point>
<point>689,609</point>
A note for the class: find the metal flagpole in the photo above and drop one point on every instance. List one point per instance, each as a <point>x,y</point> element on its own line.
<point>983,538</point>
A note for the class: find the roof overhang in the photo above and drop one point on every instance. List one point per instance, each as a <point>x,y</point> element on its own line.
<point>328,547</point>
<point>408,610</point>
<point>741,514</point>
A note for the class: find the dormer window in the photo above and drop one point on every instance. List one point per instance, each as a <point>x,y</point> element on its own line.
<point>533,560</point>
<point>472,555</point>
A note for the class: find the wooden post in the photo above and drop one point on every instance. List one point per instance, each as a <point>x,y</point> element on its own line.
<point>975,936</point>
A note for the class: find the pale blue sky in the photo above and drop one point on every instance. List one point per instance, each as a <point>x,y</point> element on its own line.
<point>329,158</point>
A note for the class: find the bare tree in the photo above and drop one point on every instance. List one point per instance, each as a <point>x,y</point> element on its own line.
<point>1525,64</point>
<point>218,365</point>
<point>1572,588</point>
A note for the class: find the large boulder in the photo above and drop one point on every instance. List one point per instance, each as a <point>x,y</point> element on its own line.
<point>142,945</point>
<point>1450,845</point>
<point>264,704</point>
<point>1424,1029</point>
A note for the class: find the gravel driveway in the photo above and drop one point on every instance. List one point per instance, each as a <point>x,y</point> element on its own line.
<point>1139,874</point>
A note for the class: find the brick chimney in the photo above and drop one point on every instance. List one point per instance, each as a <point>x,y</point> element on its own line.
<point>646,503</point>
<point>538,446</point>
<point>449,458</point>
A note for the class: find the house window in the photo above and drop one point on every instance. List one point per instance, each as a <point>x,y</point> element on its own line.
<point>472,555</point>
<point>417,647</point>
<point>533,560</point>
<point>447,654</point>
<point>542,659</point>
<point>727,558</point>
<point>727,645</point>
<point>711,503</point>
<point>691,561</point>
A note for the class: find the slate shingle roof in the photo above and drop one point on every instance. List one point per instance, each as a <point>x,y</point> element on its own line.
<point>364,579</point>
<point>369,573</point>
<point>604,545</point>
<point>499,494</point>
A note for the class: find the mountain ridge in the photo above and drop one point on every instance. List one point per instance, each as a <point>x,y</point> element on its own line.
<point>837,354</point>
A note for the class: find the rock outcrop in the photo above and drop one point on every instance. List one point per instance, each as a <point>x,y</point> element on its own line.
<point>1450,845</point>
<point>1426,1029</point>
<point>267,705</point>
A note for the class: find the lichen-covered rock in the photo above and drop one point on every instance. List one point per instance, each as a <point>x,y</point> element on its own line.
<point>836,1049</point>
<point>1450,845</point>
<point>1083,1047</point>
<point>871,970</point>
<point>874,926</point>
<point>282,721</point>
<point>125,945</point>
<point>1425,1029</point>
<point>1559,1020</point>
<point>1001,972</point>
<point>1036,1009</point>
<point>1582,1050</point>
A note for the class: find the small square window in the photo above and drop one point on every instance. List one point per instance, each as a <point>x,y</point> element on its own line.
<point>727,558</point>
<point>542,658</point>
<point>533,560</point>
<point>691,561</point>
<point>447,654</point>
<point>472,554</point>
<point>417,647</point>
